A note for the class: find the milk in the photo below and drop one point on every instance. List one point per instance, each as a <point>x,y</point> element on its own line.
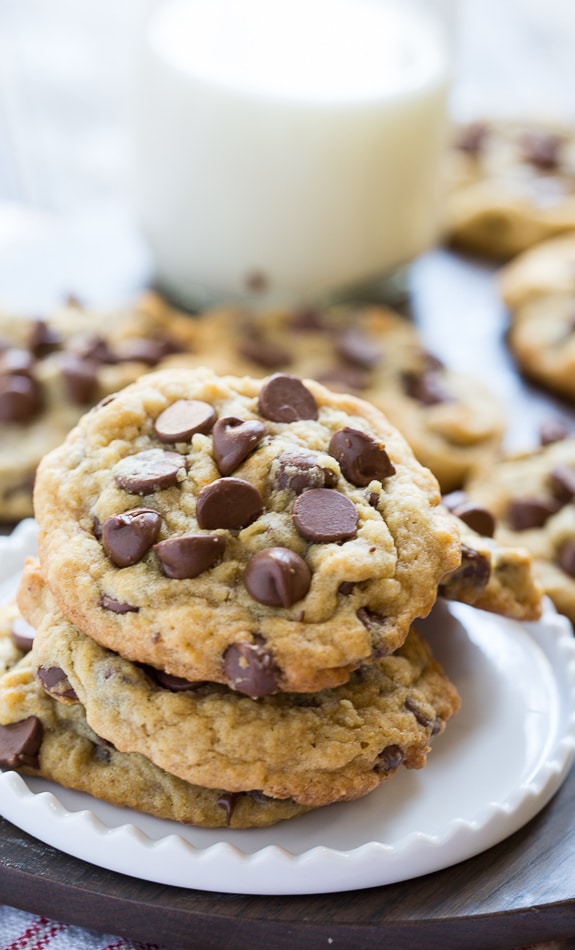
<point>287,149</point>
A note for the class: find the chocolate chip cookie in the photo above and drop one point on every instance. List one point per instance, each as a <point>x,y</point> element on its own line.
<point>538,287</point>
<point>47,739</point>
<point>316,748</point>
<point>532,497</point>
<point>492,576</point>
<point>53,369</point>
<point>511,185</point>
<point>267,534</point>
<point>451,421</point>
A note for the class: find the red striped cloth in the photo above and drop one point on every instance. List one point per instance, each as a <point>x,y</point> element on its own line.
<point>22,931</point>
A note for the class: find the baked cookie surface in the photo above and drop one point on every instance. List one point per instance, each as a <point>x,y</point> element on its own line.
<point>268,534</point>
<point>333,745</point>
<point>451,421</point>
<point>532,497</point>
<point>47,739</point>
<point>538,287</point>
<point>511,185</point>
<point>52,370</point>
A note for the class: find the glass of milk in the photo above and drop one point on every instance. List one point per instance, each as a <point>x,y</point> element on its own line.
<point>285,151</point>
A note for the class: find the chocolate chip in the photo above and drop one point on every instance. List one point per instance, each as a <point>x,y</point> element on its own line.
<point>355,347</point>
<point>389,759</point>
<point>175,684</point>
<point>22,634</point>
<point>16,362</point>
<point>346,588</point>
<point>277,577</point>
<point>542,149</point>
<point>322,514</point>
<point>92,347</point>
<point>526,513</point>
<point>553,430</point>
<point>371,620</point>
<point>298,472</point>
<point>562,483</point>
<point>474,571</point>
<point>250,669</point>
<point>179,421</point>
<point>345,379</point>
<point>20,399</point>
<point>127,537</point>
<point>20,743</point>
<point>418,712</point>
<point>471,138</point>
<point>361,458</point>
<point>189,555</point>
<point>476,517</point>
<point>566,558</point>
<point>116,606</point>
<point>309,320</point>
<point>80,378</point>
<point>233,440</point>
<point>425,386</point>
<point>43,339</point>
<point>149,471</point>
<point>55,682</point>
<point>228,503</point>
<point>264,353</point>
<point>140,350</point>
<point>286,399</point>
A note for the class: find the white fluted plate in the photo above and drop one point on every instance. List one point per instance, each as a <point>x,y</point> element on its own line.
<point>500,760</point>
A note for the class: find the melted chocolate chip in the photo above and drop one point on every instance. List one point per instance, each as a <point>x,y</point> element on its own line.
<point>182,419</point>
<point>474,570</point>
<point>389,759</point>
<point>20,399</point>
<point>189,555</point>
<point>298,472</point>
<point>371,620</point>
<point>149,471</point>
<point>264,353</point>
<point>22,634</point>
<point>233,440</point>
<point>476,517</point>
<point>361,458</point>
<point>355,347</point>
<point>127,537</point>
<point>228,503</point>
<point>286,399</point>
<point>20,743</point>
<point>55,682</point>
<point>277,577</point>
<point>116,606</point>
<point>566,558</point>
<point>526,513</point>
<point>228,801</point>
<point>80,378</point>
<point>250,669</point>
<point>321,514</point>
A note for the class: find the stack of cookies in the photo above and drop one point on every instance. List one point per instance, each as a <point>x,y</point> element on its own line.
<point>229,571</point>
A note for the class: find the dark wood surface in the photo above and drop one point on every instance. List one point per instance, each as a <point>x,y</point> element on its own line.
<point>520,892</point>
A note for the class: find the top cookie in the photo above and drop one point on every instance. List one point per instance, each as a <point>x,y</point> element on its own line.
<point>267,534</point>
<point>451,421</point>
<point>52,370</point>
<point>511,185</point>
